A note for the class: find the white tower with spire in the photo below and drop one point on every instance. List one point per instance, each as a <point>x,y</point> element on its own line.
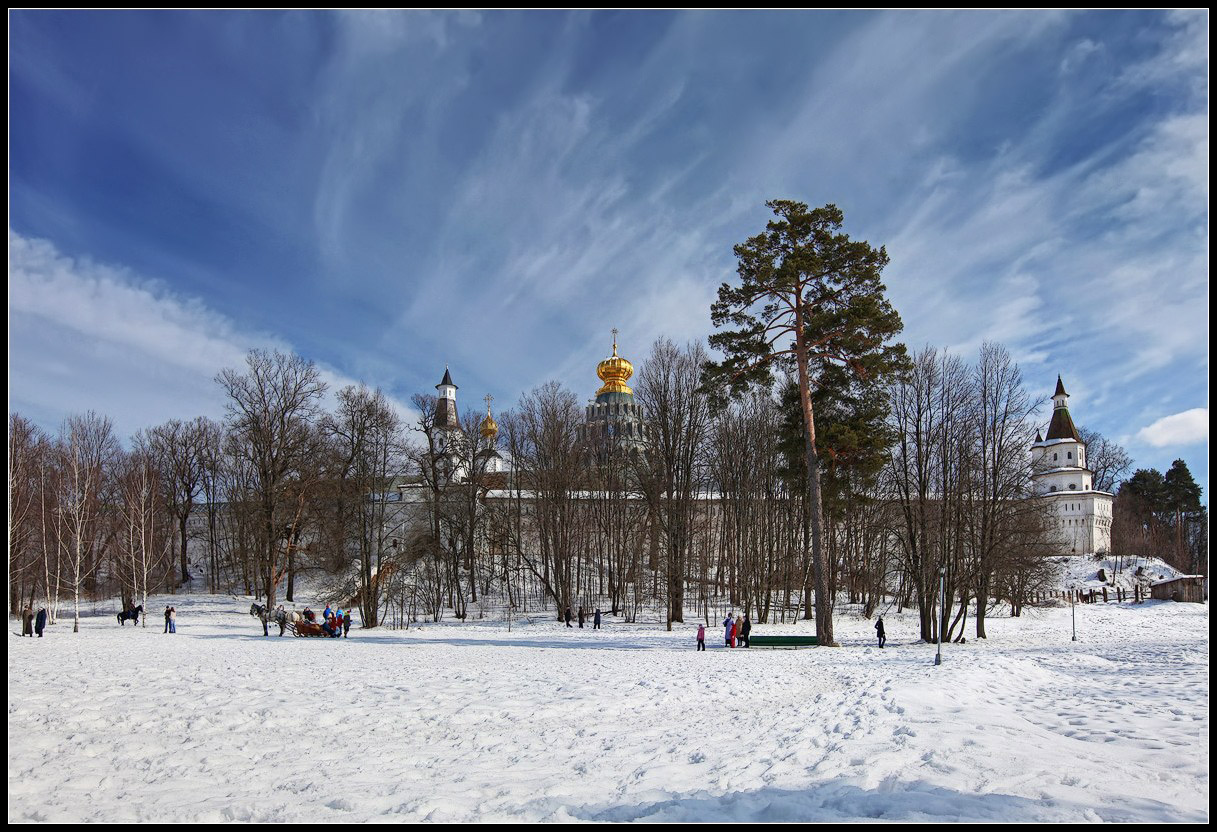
<point>1061,476</point>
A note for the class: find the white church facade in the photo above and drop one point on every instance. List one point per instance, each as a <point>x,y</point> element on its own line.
<point>1061,477</point>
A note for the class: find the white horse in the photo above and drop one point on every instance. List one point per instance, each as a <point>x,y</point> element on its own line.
<point>286,619</point>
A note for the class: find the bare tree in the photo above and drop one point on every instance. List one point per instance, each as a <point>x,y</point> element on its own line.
<point>550,465</point>
<point>146,534</point>
<point>1000,494</point>
<point>1107,460</point>
<point>87,452</point>
<point>270,411</point>
<point>26,447</point>
<point>678,419</point>
<point>366,434</point>
<point>178,448</point>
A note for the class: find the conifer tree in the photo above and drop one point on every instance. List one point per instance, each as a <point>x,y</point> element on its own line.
<point>807,294</point>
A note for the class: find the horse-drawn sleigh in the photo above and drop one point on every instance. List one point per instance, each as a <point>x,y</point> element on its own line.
<point>289,621</point>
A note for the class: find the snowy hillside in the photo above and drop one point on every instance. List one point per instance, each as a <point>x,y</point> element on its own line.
<point>1083,572</point>
<point>464,722</point>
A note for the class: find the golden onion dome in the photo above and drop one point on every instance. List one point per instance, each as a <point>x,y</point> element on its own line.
<point>614,372</point>
<point>489,429</point>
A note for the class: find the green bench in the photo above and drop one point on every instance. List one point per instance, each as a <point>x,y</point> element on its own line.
<point>782,641</point>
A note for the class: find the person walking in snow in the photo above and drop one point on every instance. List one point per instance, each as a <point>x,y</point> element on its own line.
<point>166,620</point>
<point>40,622</point>
<point>27,623</point>
<point>346,624</point>
<point>172,620</point>
<point>729,627</point>
<point>743,633</point>
<point>568,616</point>
<point>596,620</point>
<point>880,632</point>
<point>701,636</point>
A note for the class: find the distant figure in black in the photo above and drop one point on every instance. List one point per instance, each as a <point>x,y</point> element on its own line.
<point>879,631</point>
<point>745,630</point>
<point>582,615</point>
<point>27,623</point>
<point>346,623</point>
<point>568,616</point>
<point>40,622</point>
<point>596,621</point>
<point>166,620</point>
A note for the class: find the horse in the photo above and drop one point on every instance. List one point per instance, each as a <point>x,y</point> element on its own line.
<point>286,619</point>
<point>130,615</point>
<point>262,614</point>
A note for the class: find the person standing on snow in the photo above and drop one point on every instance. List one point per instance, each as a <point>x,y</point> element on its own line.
<point>729,627</point>
<point>172,620</point>
<point>743,634</point>
<point>27,623</point>
<point>166,620</point>
<point>701,636</point>
<point>568,616</point>
<point>581,617</point>
<point>596,620</point>
<point>346,624</point>
<point>40,622</point>
<point>880,632</point>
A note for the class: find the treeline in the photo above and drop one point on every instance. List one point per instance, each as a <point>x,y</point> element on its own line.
<point>926,485</point>
<point>278,489</point>
<point>1162,514</point>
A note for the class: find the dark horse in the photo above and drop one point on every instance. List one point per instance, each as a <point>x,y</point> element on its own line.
<point>262,614</point>
<point>130,615</point>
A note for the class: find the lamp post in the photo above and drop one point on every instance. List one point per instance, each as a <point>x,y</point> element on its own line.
<point>1073,608</point>
<point>942,618</point>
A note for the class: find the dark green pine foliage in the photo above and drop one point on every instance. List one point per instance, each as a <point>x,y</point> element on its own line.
<point>808,298</point>
<point>1149,489</point>
<point>1181,497</point>
<point>1180,493</point>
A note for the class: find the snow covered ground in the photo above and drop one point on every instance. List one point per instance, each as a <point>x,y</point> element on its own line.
<point>462,722</point>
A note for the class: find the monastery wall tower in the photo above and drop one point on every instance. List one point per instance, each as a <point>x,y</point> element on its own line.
<point>1061,476</point>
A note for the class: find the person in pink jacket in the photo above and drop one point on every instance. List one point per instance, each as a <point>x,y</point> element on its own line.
<point>701,636</point>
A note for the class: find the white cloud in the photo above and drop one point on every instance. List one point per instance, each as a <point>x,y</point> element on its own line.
<point>1186,428</point>
<point>87,336</point>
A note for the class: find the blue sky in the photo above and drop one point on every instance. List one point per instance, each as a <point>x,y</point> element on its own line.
<point>389,192</point>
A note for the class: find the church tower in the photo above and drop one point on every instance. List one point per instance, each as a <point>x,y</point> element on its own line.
<point>1060,475</point>
<point>445,405</point>
<point>613,416</point>
<point>490,433</point>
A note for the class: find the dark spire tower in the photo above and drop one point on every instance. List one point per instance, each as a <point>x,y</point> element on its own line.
<point>445,406</point>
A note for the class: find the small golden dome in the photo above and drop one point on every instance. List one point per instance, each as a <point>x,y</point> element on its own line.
<point>614,372</point>
<point>489,428</point>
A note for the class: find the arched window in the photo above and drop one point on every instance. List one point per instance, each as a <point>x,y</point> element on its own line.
<point>1069,455</point>
<point>1054,457</point>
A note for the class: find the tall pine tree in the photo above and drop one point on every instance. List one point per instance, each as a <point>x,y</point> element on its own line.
<point>808,295</point>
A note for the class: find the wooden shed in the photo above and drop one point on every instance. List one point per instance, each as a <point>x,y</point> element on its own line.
<point>1184,588</point>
